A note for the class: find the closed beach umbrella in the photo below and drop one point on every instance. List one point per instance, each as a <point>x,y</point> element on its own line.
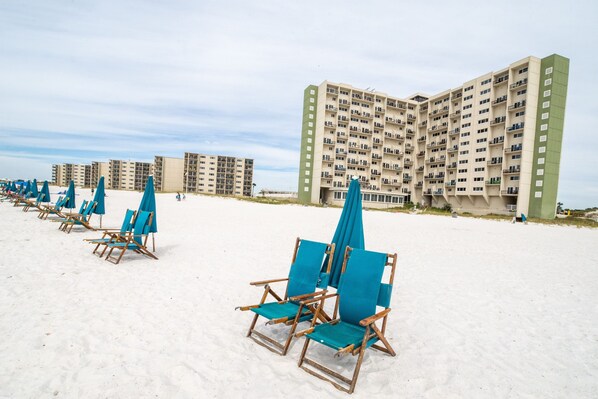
<point>99,199</point>
<point>27,190</point>
<point>349,231</point>
<point>46,192</point>
<point>34,191</point>
<point>70,194</point>
<point>148,204</point>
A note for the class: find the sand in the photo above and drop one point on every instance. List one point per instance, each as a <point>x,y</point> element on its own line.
<point>481,309</point>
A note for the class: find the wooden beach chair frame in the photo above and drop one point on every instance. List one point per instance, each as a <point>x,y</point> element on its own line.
<point>268,342</point>
<point>372,331</point>
<point>33,203</point>
<point>113,235</point>
<point>55,209</point>
<point>81,219</point>
<point>130,240</point>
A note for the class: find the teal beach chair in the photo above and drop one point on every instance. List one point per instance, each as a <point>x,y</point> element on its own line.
<point>29,203</point>
<point>305,277</point>
<point>133,241</point>
<point>114,235</point>
<point>359,294</point>
<point>46,210</point>
<point>79,219</point>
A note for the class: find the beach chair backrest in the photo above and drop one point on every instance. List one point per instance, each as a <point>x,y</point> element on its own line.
<point>58,205</point>
<point>141,227</point>
<point>83,206</point>
<point>305,271</point>
<point>127,221</point>
<point>89,209</point>
<point>360,285</point>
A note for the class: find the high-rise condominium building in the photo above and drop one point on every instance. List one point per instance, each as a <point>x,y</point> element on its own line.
<point>491,145</point>
<point>99,169</point>
<point>168,173</point>
<point>216,174</point>
<point>62,174</point>
<point>128,175</point>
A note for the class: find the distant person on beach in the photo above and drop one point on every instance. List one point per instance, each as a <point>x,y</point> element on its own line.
<point>178,196</point>
<point>184,198</point>
<point>92,191</point>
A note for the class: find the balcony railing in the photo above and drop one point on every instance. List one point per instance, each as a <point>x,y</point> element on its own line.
<point>515,127</point>
<point>510,191</point>
<point>519,83</point>
<point>498,121</point>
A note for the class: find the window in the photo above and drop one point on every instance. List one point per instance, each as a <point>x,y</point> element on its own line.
<point>485,101</point>
<point>462,179</point>
<point>483,111</point>
<point>485,82</point>
<point>478,179</point>
<point>469,97</point>
<point>464,143</point>
<point>539,183</point>
<point>545,115</point>
<point>460,188</point>
<point>538,194</point>
<point>548,82</point>
<point>522,70</point>
<point>546,104</point>
<point>311,100</point>
<point>311,107</point>
<point>307,164</point>
<point>540,172</point>
<point>548,71</point>
<point>306,181</point>
<point>482,120</point>
<point>480,159</point>
<point>480,149</point>
<point>463,161</point>
<point>484,92</point>
<point>307,156</point>
<point>312,92</point>
<point>484,130</point>
<point>468,88</point>
<point>479,169</point>
<point>514,178</point>
<point>462,171</point>
<point>483,140</point>
<point>546,93</point>
<point>542,150</point>
<point>544,127</point>
<point>466,125</point>
<point>516,156</point>
<point>310,124</point>
<point>542,138</point>
<point>540,161</point>
<point>464,152</point>
<point>466,116</point>
<point>478,189</point>
<point>306,173</point>
<point>521,92</point>
<point>468,106</point>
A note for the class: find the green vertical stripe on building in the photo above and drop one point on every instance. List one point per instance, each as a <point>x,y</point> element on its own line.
<point>306,172</point>
<point>543,205</point>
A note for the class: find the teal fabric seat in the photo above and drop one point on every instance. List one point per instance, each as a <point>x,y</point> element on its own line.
<point>360,293</point>
<point>306,275</point>
<point>135,241</point>
<point>115,235</point>
<point>303,279</point>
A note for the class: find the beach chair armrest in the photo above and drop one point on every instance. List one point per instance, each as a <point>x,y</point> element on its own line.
<point>369,320</point>
<point>264,282</point>
<point>318,299</point>
<point>307,296</point>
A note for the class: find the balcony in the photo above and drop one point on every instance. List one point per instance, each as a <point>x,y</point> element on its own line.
<point>456,96</point>
<point>420,169</point>
<point>423,109</point>
<point>451,183</point>
<point>516,127</point>
<point>495,161</point>
<point>498,121</point>
<point>517,105</point>
<point>499,100</point>
<point>331,91</point>
<point>454,131</point>
<point>419,184</point>
<point>434,160</point>
<point>391,136</point>
<point>438,192</point>
<point>495,181</point>
<point>501,80</point>
<point>331,108</point>
<point>434,144</point>
<point>340,168</point>
<point>437,128</point>
<point>454,148</point>
<point>511,191</point>
<point>395,121</point>
<point>512,170</point>
<point>411,117</point>
<point>456,114</point>
<point>407,178</point>
<point>452,166</point>
<point>422,139</point>
<point>407,162</point>
<point>379,110</point>
<point>410,133</point>
<point>518,84</point>
<point>422,124</point>
<point>497,141</point>
<point>514,148</point>
<point>421,154</point>
<point>329,125</point>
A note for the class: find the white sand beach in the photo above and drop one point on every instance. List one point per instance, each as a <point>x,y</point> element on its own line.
<point>481,309</point>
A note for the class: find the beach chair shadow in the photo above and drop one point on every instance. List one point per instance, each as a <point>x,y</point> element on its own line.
<point>305,277</point>
<point>360,292</point>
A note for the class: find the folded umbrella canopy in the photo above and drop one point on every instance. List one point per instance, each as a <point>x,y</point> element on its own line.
<point>349,231</point>
<point>100,199</point>
<point>70,194</point>
<point>46,192</point>
<point>33,189</point>
<point>148,204</point>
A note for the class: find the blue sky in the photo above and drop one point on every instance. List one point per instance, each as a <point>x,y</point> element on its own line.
<point>83,80</point>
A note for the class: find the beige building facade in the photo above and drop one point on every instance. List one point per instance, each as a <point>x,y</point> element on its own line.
<point>168,174</point>
<point>217,174</point>
<point>62,174</point>
<point>99,169</point>
<point>128,175</point>
<point>491,145</point>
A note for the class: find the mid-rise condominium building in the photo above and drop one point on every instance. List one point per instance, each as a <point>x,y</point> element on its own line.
<point>491,145</point>
<point>128,175</point>
<point>216,174</point>
<point>62,174</point>
<point>99,169</point>
<point>168,173</point>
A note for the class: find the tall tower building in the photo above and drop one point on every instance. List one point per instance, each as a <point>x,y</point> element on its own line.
<point>491,145</point>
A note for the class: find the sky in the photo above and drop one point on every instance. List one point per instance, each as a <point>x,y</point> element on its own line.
<point>84,81</point>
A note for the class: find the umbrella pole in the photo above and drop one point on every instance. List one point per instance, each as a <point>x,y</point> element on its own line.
<point>101,221</point>
<point>154,242</point>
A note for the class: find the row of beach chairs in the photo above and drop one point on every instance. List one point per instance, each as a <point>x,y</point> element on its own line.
<point>351,327</point>
<point>113,244</point>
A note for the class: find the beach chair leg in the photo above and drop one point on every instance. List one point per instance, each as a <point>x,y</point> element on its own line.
<point>252,326</point>
<point>304,351</point>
